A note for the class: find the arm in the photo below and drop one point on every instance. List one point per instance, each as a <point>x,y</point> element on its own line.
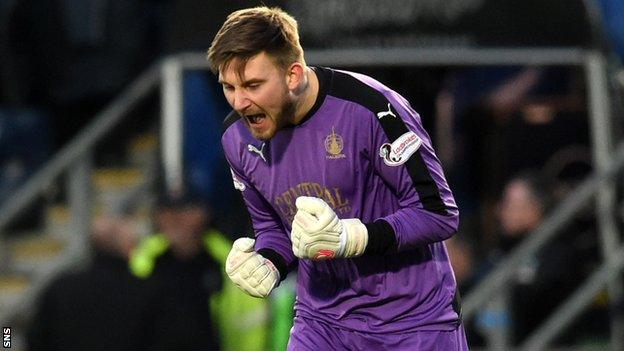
<point>257,266</point>
<point>427,211</point>
<point>401,154</point>
<point>271,238</point>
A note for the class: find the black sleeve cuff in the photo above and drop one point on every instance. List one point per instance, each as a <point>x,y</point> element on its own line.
<point>381,238</point>
<point>277,260</point>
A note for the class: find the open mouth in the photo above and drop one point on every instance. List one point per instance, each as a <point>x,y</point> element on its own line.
<point>255,119</point>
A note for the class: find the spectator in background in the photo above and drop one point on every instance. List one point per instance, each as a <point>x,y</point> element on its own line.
<point>186,260</point>
<point>569,167</point>
<point>495,122</point>
<point>544,280</point>
<point>185,275</point>
<point>522,208</point>
<point>463,124</point>
<point>102,307</point>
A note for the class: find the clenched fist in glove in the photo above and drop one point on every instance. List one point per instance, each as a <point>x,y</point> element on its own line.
<point>250,271</point>
<point>317,233</point>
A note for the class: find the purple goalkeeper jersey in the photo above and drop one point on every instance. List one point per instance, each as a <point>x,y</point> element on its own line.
<point>364,151</point>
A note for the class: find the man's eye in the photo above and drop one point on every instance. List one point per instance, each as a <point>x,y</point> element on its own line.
<point>228,87</point>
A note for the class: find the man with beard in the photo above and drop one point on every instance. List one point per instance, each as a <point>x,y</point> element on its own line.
<point>341,181</point>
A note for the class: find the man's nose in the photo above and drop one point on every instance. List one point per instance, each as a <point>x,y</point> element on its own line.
<point>241,101</point>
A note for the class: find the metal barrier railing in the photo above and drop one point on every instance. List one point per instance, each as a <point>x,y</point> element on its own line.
<point>559,217</point>
<point>72,154</point>
<point>601,185</point>
<point>76,155</point>
<point>76,160</point>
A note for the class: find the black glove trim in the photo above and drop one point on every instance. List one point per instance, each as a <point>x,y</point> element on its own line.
<point>381,238</point>
<point>277,260</point>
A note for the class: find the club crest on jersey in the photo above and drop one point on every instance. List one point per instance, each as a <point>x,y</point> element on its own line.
<point>238,185</point>
<point>399,151</point>
<point>334,145</point>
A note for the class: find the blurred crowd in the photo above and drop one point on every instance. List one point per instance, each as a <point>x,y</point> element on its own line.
<point>514,142</point>
<point>166,291</point>
<point>514,149</point>
<point>63,61</point>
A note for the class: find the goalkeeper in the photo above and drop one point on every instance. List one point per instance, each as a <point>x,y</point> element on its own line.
<point>343,186</point>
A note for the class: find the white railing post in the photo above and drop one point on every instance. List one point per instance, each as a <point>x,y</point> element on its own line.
<point>172,123</point>
<point>602,140</point>
<point>495,320</point>
<point>80,198</point>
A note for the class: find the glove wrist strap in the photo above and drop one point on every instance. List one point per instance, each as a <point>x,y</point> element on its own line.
<point>353,238</point>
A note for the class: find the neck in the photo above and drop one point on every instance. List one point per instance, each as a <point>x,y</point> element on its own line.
<point>307,98</point>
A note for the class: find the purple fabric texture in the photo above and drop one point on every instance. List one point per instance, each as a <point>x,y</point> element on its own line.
<point>364,151</point>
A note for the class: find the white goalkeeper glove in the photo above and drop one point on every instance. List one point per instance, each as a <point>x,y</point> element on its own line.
<point>250,271</point>
<point>318,234</point>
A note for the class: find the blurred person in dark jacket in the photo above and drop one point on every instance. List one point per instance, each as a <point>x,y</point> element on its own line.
<point>102,307</point>
<point>545,279</point>
<point>186,275</point>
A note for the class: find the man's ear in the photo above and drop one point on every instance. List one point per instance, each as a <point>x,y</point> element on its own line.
<point>295,75</point>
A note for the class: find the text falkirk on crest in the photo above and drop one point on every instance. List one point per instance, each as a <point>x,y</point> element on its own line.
<point>334,145</point>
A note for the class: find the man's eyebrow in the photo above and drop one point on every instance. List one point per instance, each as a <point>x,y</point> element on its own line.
<point>252,81</point>
<point>245,83</point>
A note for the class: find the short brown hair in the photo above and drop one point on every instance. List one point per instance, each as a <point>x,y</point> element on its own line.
<point>249,32</point>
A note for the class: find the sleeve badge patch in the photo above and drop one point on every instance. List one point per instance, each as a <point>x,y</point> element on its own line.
<point>399,151</point>
<point>238,185</point>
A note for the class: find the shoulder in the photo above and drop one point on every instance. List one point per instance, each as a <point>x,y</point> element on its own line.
<point>234,135</point>
<point>390,111</point>
<point>230,119</point>
<point>360,89</point>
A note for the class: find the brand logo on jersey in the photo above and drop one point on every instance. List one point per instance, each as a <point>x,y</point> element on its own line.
<point>255,150</point>
<point>334,146</point>
<point>238,185</point>
<point>400,150</point>
<point>382,114</point>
